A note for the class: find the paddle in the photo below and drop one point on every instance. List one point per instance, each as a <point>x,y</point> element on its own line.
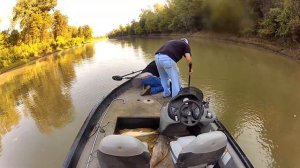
<point>119,78</point>
<point>190,69</point>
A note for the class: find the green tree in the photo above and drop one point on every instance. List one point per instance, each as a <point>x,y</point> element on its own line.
<point>34,18</point>
<point>25,8</point>
<point>165,16</point>
<point>87,32</point>
<point>42,31</point>
<point>4,39</point>
<point>1,39</point>
<point>31,31</point>
<point>137,30</point>
<point>151,22</point>
<point>80,31</point>
<point>60,24</point>
<point>187,14</point>
<point>14,38</point>
<point>73,31</point>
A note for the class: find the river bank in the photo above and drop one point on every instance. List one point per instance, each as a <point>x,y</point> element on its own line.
<point>21,63</point>
<point>279,47</point>
<point>276,46</point>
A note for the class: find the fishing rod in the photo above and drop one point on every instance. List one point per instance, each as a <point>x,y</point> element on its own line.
<point>119,78</point>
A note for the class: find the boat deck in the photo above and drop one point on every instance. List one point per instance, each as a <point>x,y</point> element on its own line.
<point>129,104</point>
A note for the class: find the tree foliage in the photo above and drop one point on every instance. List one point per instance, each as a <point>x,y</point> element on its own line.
<point>60,25</point>
<point>43,29</point>
<point>85,32</point>
<point>34,19</point>
<point>264,18</point>
<point>283,20</point>
<point>190,16</point>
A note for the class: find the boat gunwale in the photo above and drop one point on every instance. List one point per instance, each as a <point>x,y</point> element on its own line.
<point>82,137</point>
<point>234,145</point>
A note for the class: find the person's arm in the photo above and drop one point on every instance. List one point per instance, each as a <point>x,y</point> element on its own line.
<point>188,58</point>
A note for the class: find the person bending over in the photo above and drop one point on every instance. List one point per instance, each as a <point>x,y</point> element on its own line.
<point>150,80</point>
<point>166,58</point>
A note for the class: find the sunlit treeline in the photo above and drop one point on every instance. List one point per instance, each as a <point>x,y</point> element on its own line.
<point>38,28</point>
<point>264,18</point>
<point>43,93</point>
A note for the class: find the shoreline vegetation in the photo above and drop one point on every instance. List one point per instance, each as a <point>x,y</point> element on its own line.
<point>268,24</point>
<point>21,63</point>
<point>277,47</point>
<point>38,29</point>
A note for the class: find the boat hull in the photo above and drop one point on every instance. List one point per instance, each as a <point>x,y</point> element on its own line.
<point>124,101</point>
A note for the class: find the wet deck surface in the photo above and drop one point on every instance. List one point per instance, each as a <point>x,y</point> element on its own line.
<point>129,104</point>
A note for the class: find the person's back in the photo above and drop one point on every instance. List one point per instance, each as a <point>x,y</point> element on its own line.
<point>175,49</point>
<point>151,68</point>
<point>166,58</point>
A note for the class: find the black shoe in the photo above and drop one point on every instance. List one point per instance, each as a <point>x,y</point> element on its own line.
<point>146,91</point>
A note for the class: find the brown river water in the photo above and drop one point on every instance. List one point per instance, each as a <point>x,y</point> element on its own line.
<point>255,93</point>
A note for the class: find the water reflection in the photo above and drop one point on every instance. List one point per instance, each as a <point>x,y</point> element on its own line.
<point>42,91</point>
<point>52,97</point>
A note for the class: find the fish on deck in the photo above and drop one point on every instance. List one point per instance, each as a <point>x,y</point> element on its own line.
<point>158,144</point>
<point>160,150</point>
<point>147,135</point>
<point>139,132</point>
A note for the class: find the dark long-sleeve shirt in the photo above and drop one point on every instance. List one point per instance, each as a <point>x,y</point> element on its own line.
<point>151,68</point>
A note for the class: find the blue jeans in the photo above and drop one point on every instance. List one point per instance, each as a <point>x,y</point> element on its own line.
<point>154,83</point>
<point>167,69</point>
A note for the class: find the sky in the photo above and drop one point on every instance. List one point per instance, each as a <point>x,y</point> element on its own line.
<point>101,15</point>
